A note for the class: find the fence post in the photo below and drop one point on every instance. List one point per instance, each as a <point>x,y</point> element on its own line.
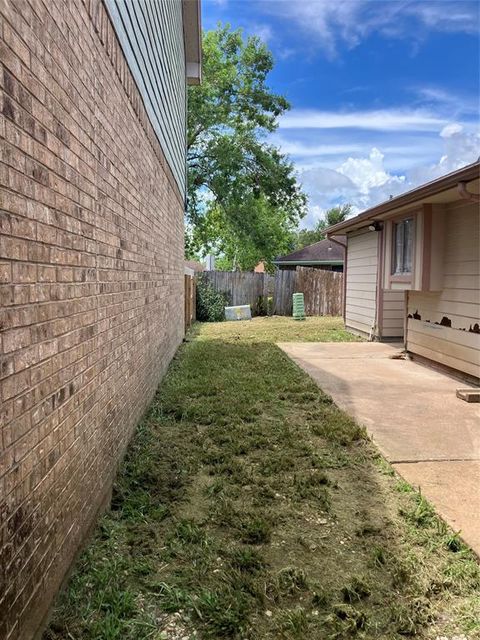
<point>190,297</point>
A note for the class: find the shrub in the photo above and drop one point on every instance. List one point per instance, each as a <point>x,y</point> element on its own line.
<point>210,303</point>
<point>260,307</point>
<point>270,306</point>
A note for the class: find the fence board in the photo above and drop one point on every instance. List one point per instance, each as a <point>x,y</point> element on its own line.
<point>242,287</point>
<point>285,287</point>
<point>323,290</point>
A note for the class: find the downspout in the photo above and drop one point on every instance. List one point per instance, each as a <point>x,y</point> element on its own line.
<point>344,301</point>
<point>466,195</point>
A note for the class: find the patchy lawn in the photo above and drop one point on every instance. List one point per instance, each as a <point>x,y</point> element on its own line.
<point>277,329</point>
<point>250,507</point>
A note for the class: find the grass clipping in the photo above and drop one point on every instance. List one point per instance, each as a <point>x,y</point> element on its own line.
<point>250,507</point>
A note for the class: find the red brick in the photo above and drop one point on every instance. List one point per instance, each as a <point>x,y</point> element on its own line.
<point>15,339</point>
<point>24,272</point>
<point>5,272</point>
<point>91,284</point>
<point>16,44</point>
<point>14,385</point>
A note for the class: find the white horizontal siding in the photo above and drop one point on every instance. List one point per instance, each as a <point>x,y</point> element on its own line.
<point>151,36</point>
<point>457,349</point>
<point>364,260</point>
<point>459,300</point>
<point>361,284</point>
<point>393,313</point>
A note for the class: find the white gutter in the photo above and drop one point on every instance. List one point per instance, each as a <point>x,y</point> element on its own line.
<point>465,194</point>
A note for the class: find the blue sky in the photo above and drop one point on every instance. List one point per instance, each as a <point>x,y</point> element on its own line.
<point>384,94</point>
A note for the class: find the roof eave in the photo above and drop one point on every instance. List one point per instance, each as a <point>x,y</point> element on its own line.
<point>192,29</point>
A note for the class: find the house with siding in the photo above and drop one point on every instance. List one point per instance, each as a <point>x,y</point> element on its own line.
<point>327,254</point>
<point>413,271</point>
<point>92,197</point>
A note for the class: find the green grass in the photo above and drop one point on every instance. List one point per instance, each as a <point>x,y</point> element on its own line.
<point>250,507</point>
<point>277,329</point>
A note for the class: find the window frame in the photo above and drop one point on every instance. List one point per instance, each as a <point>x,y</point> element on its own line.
<point>402,276</point>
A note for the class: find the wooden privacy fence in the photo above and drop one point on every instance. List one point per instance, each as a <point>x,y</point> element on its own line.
<point>323,290</point>
<point>243,287</point>
<point>284,288</point>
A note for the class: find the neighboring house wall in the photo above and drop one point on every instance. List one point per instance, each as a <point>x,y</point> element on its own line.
<point>91,280</point>
<point>457,303</point>
<point>392,314</point>
<point>361,288</point>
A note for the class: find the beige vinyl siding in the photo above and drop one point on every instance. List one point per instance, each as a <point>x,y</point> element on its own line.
<point>361,277</point>
<point>458,301</point>
<point>151,36</point>
<point>393,313</point>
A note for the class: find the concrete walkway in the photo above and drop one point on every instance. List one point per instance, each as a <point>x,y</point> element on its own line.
<point>412,414</point>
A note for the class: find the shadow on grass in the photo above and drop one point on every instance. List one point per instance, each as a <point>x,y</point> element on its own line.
<point>249,506</point>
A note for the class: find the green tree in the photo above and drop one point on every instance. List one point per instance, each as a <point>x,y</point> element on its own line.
<point>334,215</point>
<point>244,202</point>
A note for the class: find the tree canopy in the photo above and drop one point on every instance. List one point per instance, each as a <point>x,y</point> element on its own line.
<point>334,215</point>
<point>244,201</point>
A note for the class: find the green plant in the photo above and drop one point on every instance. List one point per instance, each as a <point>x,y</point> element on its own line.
<point>247,560</point>
<point>294,623</point>
<point>270,306</point>
<point>292,579</point>
<point>255,530</point>
<point>210,303</point>
<point>260,306</point>
<point>345,619</point>
<point>421,514</point>
<point>357,589</point>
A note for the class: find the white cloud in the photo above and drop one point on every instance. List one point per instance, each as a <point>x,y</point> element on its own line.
<point>363,157</point>
<point>447,16</point>
<point>315,213</point>
<point>453,103</point>
<point>322,182</point>
<point>349,22</point>
<point>460,148</point>
<point>364,181</point>
<point>367,173</point>
<point>300,149</point>
<point>451,129</point>
<point>262,31</point>
<point>374,120</point>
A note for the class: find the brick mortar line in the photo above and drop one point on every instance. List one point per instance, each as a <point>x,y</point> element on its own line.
<point>107,304</point>
<point>146,232</point>
<point>122,334</point>
<point>148,391</point>
<point>80,126</point>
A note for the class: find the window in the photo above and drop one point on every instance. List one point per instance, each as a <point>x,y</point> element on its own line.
<point>402,247</point>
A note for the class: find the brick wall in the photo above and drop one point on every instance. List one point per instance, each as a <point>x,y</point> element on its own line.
<point>91,273</point>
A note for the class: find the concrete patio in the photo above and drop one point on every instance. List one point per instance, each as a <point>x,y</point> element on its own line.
<point>431,437</point>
